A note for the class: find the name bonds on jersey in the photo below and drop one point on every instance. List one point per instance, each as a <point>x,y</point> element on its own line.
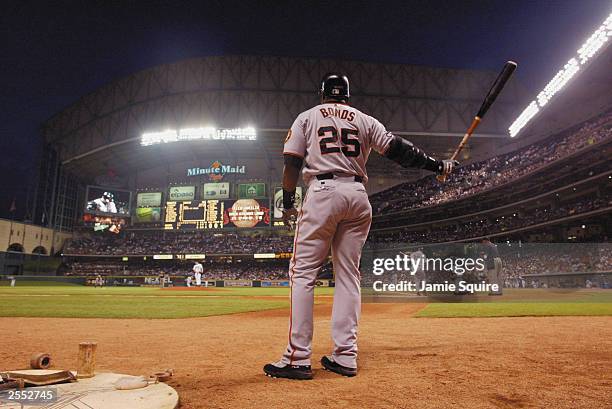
<point>341,113</point>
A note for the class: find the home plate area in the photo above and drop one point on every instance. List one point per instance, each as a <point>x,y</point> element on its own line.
<point>102,391</point>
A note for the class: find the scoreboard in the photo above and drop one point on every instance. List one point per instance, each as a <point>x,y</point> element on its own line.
<point>201,214</point>
<point>216,214</point>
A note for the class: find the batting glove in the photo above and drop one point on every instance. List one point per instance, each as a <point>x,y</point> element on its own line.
<point>447,166</point>
<point>290,217</point>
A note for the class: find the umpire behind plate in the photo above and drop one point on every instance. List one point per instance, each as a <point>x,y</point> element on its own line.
<point>332,141</point>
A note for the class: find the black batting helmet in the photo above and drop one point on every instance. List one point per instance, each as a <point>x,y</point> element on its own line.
<point>335,86</point>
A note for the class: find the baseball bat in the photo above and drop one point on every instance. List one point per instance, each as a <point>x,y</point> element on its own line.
<point>498,85</point>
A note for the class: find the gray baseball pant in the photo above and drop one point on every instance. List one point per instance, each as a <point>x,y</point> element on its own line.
<point>336,213</point>
<point>496,276</point>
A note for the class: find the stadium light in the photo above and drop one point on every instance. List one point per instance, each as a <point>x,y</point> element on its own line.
<point>584,54</point>
<point>523,118</point>
<point>558,82</point>
<point>194,134</point>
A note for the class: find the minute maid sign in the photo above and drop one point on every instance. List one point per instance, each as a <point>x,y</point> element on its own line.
<point>217,170</point>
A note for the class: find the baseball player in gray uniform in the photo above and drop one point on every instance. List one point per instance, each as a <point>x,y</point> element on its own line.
<point>332,141</point>
<point>493,263</point>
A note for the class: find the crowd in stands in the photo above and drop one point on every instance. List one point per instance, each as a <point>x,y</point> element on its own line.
<point>480,176</point>
<point>555,259</point>
<point>558,258</point>
<point>543,187</point>
<point>195,242</point>
<point>487,226</point>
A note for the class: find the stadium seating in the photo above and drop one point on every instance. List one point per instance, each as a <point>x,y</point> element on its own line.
<point>480,225</point>
<point>480,176</point>
<point>194,242</point>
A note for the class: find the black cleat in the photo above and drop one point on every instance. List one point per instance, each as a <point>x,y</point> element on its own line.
<point>330,365</point>
<point>300,372</point>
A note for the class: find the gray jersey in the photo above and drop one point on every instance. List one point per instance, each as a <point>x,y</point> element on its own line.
<point>335,138</point>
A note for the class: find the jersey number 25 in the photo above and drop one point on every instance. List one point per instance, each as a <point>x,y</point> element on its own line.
<point>349,137</point>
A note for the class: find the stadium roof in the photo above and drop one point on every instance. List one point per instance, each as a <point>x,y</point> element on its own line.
<point>101,131</point>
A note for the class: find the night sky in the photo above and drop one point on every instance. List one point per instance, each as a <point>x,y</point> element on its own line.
<point>55,52</point>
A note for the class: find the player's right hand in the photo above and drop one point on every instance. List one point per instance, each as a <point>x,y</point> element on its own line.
<point>290,217</point>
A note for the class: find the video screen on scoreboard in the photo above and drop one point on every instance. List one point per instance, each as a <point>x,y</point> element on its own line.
<point>216,214</point>
<point>148,207</point>
<point>104,223</point>
<point>108,201</point>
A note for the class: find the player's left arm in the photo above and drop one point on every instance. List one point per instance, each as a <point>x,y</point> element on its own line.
<point>291,175</point>
<point>294,152</point>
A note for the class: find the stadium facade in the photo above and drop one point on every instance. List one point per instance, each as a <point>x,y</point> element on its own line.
<point>97,141</point>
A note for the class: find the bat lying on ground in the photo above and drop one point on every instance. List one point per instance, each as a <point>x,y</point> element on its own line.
<point>496,88</point>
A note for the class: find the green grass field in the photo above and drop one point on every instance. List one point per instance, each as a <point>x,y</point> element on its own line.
<point>524,303</point>
<point>44,299</point>
<point>514,309</point>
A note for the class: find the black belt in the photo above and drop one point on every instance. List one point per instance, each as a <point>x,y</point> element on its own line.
<point>326,176</point>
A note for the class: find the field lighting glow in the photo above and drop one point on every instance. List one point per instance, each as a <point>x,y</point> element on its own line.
<point>584,54</point>
<point>196,134</point>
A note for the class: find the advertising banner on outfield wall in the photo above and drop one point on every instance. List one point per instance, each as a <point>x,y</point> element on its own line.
<point>238,283</point>
<point>275,283</point>
<point>278,203</point>
<point>181,193</point>
<point>215,190</point>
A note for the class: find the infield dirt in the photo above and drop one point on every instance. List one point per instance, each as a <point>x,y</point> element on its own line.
<point>405,362</point>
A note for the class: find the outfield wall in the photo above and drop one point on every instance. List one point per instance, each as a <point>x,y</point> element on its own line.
<point>149,281</point>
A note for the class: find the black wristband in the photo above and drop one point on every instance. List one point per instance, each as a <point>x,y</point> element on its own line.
<point>288,199</point>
